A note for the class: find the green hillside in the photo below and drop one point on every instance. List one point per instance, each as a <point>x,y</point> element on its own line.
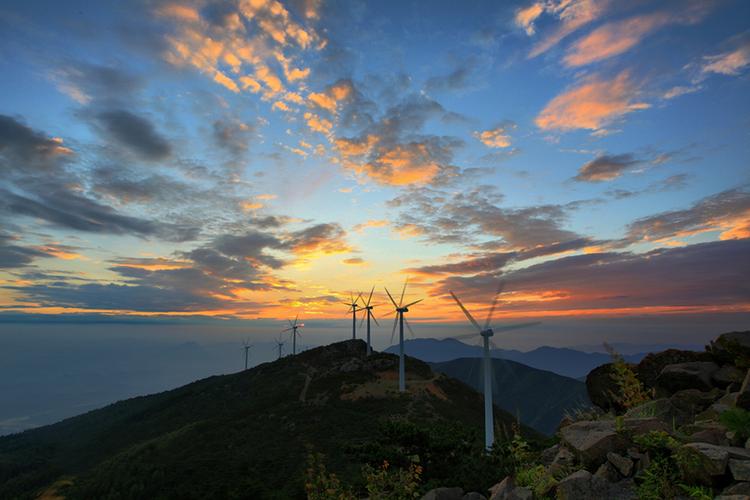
<point>247,435</point>
<point>538,397</point>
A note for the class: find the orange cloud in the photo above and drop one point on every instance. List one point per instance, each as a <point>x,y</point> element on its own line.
<point>573,15</point>
<point>591,105</point>
<point>402,165</point>
<point>370,223</point>
<point>525,17</point>
<point>495,138</point>
<point>318,124</point>
<point>354,261</point>
<point>728,63</point>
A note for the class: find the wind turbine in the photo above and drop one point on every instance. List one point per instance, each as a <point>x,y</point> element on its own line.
<point>293,326</point>
<point>246,347</point>
<point>280,344</point>
<point>400,309</point>
<point>486,332</point>
<point>368,315</point>
<point>353,305</point>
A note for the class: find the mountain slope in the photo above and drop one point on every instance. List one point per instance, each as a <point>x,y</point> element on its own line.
<point>238,436</point>
<point>540,398</point>
<point>560,360</point>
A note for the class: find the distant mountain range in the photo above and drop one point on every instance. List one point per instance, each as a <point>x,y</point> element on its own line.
<point>538,397</point>
<point>560,360</point>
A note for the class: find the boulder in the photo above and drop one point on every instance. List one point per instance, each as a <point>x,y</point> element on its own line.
<point>743,397</point>
<point>591,440</point>
<point>548,454</point>
<point>690,402</point>
<point>502,489</point>
<point>689,375</point>
<point>601,388</point>
<point>715,434</point>
<point>712,413</point>
<point>742,488</point>
<point>473,496</point>
<point>706,464</point>
<point>624,465</point>
<point>644,425</point>
<point>444,494</point>
<point>740,469</point>
<point>727,375</point>
<point>521,493</point>
<point>608,472</point>
<point>732,348</point>
<point>651,366</point>
<point>729,399</point>
<point>564,458</point>
<point>582,485</point>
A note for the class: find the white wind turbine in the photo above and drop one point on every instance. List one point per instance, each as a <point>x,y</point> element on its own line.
<point>369,315</point>
<point>293,327</point>
<point>279,345</point>
<point>246,346</point>
<point>400,309</point>
<point>486,332</point>
<point>353,305</point>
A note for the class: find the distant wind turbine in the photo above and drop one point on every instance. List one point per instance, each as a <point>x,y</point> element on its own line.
<point>353,305</point>
<point>280,344</point>
<point>400,309</point>
<point>293,327</point>
<point>368,315</point>
<point>486,332</point>
<point>246,347</point>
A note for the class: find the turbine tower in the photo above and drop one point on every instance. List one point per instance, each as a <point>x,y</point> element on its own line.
<point>353,305</point>
<point>293,327</point>
<point>400,309</point>
<point>369,315</point>
<point>486,332</point>
<point>246,347</point>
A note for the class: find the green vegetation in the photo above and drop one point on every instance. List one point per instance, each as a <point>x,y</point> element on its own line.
<point>664,477</point>
<point>248,435</point>
<point>630,391</point>
<point>737,420</point>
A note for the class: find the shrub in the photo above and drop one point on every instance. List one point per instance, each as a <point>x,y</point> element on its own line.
<point>384,483</point>
<point>630,390</point>
<point>537,478</point>
<point>737,420</point>
<point>322,485</point>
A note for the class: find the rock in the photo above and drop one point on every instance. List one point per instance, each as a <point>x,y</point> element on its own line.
<point>651,366</point>
<point>623,465</point>
<point>642,460</point>
<point>444,494</point>
<point>474,496</point>
<point>713,435</point>
<point>709,464</point>
<point>711,413</point>
<point>747,443</point>
<point>502,489</point>
<point>564,458</point>
<point>729,399</point>
<point>608,472</point>
<point>591,440</point>
<point>600,386</point>
<point>638,426</point>
<point>622,490</point>
<point>738,453</point>
<point>743,398</point>
<point>742,488</point>
<point>693,401</point>
<point>740,469</point>
<point>548,454</point>
<point>582,485</point>
<point>733,348</point>
<point>727,375</point>
<point>662,409</point>
<point>521,493</point>
<point>690,375</point>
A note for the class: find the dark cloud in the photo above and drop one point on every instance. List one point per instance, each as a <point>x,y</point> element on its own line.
<point>25,150</point>
<point>703,274</point>
<point>725,211</point>
<point>135,133</point>
<point>74,211</point>
<point>233,136</point>
<point>606,168</point>
<point>671,183</point>
<point>457,79</point>
<point>250,246</point>
<point>125,186</point>
<point>12,255</point>
<point>325,238</point>
<point>90,82</point>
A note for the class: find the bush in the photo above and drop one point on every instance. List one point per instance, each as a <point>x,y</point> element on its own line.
<point>322,485</point>
<point>537,478</point>
<point>630,390</point>
<point>737,420</point>
<point>384,483</point>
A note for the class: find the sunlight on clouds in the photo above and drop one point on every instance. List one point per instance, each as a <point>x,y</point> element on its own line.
<point>495,138</point>
<point>728,63</point>
<point>591,105</point>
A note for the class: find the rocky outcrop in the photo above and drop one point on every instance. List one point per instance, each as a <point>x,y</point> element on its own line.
<point>600,388</point>
<point>444,494</point>
<point>651,366</point>
<point>690,375</point>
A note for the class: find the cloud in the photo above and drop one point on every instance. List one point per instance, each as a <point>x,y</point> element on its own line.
<point>73,211</point>
<point>457,79</point>
<point>135,133</point>
<point>24,150</point>
<point>727,212</point>
<point>84,82</point>
<point>233,135</point>
<point>697,275</point>
<point>679,90</point>
<point>360,228</point>
<point>591,105</point>
<point>497,137</point>
<point>526,16</point>
<point>325,238</point>
<point>605,168</point>
<point>729,63</point>
<point>354,261</point>
<point>13,256</point>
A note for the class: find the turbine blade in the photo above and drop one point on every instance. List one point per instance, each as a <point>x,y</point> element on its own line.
<point>516,326</point>
<point>283,331</point>
<point>395,324</point>
<point>494,303</point>
<point>373,318</point>
<point>370,297</point>
<point>356,301</point>
<point>364,317</point>
<point>391,297</point>
<point>403,291</point>
<point>408,326</point>
<point>415,302</point>
<point>295,319</point>
<point>466,312</point>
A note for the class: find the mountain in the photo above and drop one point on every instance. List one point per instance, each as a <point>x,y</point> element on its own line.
<point>560,360</point>
<point>247,435</point>
<point>539,398</point>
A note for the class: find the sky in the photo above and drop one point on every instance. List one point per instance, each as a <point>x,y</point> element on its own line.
<point>257,160</point>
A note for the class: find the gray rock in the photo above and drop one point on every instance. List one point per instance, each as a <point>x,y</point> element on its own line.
<point>731,347</point>
<point>502,489</point>
<point>740,469</point>
<point>608,472</point>
<point>444,494</point>
<point>690,402</point>
<point>549,454</point>
<point>592,440</point>
<point>747,443</point>
<point>742,488</point>
<point>689,375</point>
<point>474,496</point>
<point>638,426</point>
<point>624,465</point>
<point>709,464</point>
<point>521,493</point>
<point>712,413</point>
<point>743,397</point>
<point>582,485</point>
<point>729,399</point>
<point>713,435</point>
<point>727,375</point>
